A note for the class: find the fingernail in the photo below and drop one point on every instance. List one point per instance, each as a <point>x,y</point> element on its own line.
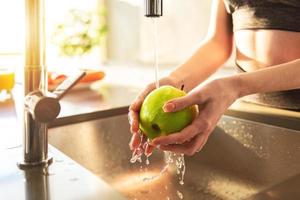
<point>168,107</point>
<point>132,144</point>
<point>145,146</point>
<point>135,126</point>
<point>149,149</point>
<point>130,120</point>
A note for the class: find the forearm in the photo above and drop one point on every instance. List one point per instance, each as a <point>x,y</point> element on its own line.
<point>277,78</point>
<point>204,62</point>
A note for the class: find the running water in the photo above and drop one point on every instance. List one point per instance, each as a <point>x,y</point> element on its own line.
<point>179,194</point>
<point>180,164</point>
<point>164,169</point>
<point>147,160</point>
<point>156,52</point>
<point>178,160</point>
<point>138,153</point>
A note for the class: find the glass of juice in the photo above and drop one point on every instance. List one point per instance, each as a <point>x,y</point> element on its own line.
<point>7,82</point>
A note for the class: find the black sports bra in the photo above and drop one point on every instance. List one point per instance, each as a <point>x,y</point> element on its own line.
<point>264,14</point>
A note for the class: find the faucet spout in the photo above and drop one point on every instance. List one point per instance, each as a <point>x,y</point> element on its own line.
<point>153,8</point>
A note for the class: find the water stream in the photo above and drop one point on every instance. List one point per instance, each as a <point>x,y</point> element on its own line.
<point>172,158</point>
<point>156,71</point>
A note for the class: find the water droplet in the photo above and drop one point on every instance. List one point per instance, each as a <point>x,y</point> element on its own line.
<point>179,194</point>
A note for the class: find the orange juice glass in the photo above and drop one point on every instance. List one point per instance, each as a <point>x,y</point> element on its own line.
<point>7,79</point>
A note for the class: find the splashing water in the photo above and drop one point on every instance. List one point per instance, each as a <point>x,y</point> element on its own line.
<point>179,194</point>
<point>147,160</point>
<point>138,153</point>
<point>180,164</point>
<point>155,52</point>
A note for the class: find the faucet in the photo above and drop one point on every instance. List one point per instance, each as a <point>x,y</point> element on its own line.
<point>40,106</point>
<point>153,8</point>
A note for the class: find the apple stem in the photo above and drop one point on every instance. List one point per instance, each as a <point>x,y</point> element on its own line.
<point>182,87</point>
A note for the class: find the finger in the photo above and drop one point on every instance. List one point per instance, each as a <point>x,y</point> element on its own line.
<point>188,148</point>
<point>183,102</point>
<point>143,138</point>
<point>135,141</point>
<point>197,126</point>
<point>177,138</point>
<point>203,144</point>
<point>149,149</point>
<point>133,121</point>
<point>137,103</point>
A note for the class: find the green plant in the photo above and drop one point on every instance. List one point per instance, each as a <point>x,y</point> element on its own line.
<point>80,32</point>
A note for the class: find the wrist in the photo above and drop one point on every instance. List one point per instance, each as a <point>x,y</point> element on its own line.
<point>234,86</point>
<point>240,87</point>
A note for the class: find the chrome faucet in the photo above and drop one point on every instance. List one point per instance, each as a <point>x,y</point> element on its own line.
<point>153,8</point>
<point>40,106</point>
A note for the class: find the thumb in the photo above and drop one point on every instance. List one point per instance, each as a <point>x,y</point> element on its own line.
<point>180,103</point>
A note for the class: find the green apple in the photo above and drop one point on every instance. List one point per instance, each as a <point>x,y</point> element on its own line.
<point>155,122</point>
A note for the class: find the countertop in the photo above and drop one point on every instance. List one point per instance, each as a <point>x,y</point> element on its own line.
<point>63,179</point>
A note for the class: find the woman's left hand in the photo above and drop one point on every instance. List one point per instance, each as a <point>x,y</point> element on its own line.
<point>212,99</point>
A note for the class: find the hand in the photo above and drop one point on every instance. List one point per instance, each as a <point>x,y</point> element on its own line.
<point>212,99</point>
<point>138,143</point>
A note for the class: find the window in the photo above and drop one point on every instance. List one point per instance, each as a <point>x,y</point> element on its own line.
<point>12,32</point>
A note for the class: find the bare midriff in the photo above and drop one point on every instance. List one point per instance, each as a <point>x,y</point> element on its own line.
<point>256,49</point>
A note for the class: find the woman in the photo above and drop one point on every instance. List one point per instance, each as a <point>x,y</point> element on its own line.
<point>266,36</point>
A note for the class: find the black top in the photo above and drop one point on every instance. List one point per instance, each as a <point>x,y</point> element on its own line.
<point>264,14</point>
<point>268,14</point>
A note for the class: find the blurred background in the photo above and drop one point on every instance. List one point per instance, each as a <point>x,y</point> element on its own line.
<point>99,34</point>
<point>126,36</point>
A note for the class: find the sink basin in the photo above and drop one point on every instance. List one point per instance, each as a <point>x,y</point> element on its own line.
<point>240,159</point>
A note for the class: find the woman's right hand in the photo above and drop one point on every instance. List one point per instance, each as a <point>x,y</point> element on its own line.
<point>138,143</point>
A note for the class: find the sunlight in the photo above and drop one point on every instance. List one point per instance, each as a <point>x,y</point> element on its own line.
<point>12,26</point>
<point>12,21</point>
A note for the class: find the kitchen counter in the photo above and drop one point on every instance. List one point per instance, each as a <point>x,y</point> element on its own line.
<point>63,179</point>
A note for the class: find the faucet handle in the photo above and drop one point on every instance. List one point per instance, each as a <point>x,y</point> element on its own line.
<point>43,109</point>
<point>66,85</point>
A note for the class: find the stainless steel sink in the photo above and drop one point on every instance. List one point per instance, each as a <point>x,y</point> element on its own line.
<point>240,159</point>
